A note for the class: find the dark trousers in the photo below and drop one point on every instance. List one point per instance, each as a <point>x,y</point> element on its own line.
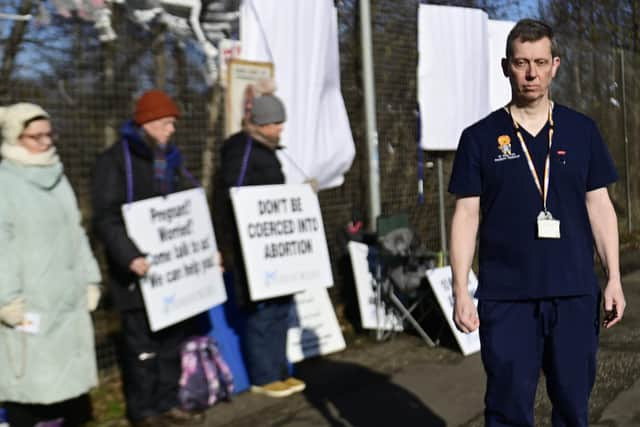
<point>150,363</point>
<point>76,412</point>
<point>265,340</point>
<point>519,338</point>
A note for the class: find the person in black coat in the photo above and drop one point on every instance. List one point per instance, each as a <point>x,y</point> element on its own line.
<point>249,158</point>
<point>142,164</point>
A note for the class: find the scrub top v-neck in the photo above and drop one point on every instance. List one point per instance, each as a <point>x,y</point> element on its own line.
<point>514,263</point>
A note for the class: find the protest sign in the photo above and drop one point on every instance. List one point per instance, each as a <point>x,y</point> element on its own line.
<point>441,281</point>
<point>374,311</point>
<point>176,234</point>
<point>313,326</point>
<point>282,236</point>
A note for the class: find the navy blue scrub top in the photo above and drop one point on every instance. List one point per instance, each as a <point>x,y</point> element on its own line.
<point>514,263</point>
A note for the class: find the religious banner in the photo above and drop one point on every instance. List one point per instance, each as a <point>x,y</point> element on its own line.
<point>441,281</point>
<point>176,233</point>
<point>282,236</point>
<point>243,77</point>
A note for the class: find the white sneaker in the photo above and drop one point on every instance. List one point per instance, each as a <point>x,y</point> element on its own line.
<point>274,389</point>
<point>295,384</point>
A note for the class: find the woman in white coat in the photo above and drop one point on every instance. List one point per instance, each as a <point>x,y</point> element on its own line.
<point>48,279</point>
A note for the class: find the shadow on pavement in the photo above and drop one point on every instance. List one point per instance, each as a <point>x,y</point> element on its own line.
<point>348,394</point>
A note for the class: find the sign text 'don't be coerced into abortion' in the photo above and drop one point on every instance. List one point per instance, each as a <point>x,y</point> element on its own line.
<point>283,241</point>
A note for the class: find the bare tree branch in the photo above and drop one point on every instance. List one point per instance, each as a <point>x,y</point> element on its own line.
<point>12,48</point>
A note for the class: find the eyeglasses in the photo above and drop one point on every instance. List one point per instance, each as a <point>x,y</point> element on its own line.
<point>41,137</point>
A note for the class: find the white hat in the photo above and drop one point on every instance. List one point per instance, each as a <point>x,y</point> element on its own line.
<point>14,117</point>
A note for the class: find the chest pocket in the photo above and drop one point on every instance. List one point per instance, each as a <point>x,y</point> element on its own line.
<point>567,168</point>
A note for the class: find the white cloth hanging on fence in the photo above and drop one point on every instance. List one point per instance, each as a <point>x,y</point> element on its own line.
<point>453,81</point>
<point>301,39</point>
<point>499,87</point>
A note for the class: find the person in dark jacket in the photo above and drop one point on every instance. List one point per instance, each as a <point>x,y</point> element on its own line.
<point>143,164</point>
<point>249,158</point>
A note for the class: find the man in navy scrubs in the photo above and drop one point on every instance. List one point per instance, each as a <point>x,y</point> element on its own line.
<point>531,180</point>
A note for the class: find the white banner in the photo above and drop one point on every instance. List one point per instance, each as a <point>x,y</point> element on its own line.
<point>451,41</point>
<point>283,242</point>
<point>374,312</point>
<point>313,326</point>
<point>441,283</point>
<point>499,87</point>
<point>176,234</point>
<point>301,39</point>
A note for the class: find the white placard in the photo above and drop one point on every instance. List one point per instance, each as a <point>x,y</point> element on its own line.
<point>441,283</point>
<point>313,328</point>
<point>282,236</point>
<point>373,316</point>
<point>175,232</point>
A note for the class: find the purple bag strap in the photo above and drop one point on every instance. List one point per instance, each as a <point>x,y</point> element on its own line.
<point>129,172</point>
<point>245,162</point>
<point>190,177</point>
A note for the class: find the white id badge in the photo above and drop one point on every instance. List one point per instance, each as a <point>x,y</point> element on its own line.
<point>548,228</point>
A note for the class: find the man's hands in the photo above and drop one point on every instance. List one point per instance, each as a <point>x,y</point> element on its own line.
<point>315,185</point>
<point>465,313</point>
<point>613,303</point>
<point>139,265</point>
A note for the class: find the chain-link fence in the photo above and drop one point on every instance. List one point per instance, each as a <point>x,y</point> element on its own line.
<point>89,89</point>
<point>602,82</point>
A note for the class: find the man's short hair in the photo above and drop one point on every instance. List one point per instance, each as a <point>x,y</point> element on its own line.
<point>531,30</point>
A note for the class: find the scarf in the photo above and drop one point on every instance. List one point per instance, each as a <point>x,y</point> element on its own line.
<point>19,154</point>
<point>254,132</point>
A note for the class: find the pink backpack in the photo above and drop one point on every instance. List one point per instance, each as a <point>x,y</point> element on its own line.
<point>206,377</point>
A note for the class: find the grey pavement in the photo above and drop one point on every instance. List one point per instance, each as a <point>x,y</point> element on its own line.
<point>402,382</point>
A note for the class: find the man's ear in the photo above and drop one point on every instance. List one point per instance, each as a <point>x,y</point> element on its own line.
<point>555,66</point>
<point>505,66</point>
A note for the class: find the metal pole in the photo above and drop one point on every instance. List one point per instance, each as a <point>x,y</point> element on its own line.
<point>627,166</point>
<point>443,226</point>
<point>370,113</point>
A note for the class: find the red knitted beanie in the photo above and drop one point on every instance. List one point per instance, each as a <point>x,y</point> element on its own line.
<point>154,104</point>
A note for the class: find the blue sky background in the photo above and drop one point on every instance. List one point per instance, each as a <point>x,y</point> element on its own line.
<point>511,10</point>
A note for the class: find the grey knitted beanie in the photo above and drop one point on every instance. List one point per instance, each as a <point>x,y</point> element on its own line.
<point>267,109</point>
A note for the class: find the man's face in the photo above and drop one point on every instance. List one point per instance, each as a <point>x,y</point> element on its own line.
<point>272,131</point>
<point>160,130</point>
<point>530,69</point>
